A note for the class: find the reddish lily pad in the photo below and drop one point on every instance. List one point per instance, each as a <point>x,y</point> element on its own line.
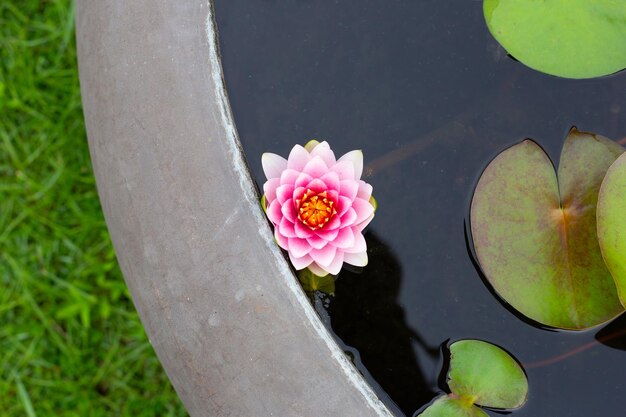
<point>612,223</point>
<point>535,233</point>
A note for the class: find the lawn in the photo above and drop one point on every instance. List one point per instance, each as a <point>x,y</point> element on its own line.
<point>71,343</point>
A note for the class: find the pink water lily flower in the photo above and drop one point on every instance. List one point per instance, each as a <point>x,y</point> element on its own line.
<point>319,206</point>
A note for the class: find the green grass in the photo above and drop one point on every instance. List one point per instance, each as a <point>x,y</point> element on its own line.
<point>71,343</point>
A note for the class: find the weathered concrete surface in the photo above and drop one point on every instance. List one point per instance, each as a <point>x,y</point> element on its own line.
<point>220,305</point>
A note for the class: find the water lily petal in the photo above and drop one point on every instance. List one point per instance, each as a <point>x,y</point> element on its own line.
<point>324,256</point>
<point>282,241</point>
<point>359,227</point>
<point>303,179</point>
<point>331,179</point>
<point>317,270</point>
<point>363,209</point>
<point>286,228</point>
<point>316,242</point>
<point>356,259</point>
<point>302,231</point>
<point>335,266</point>
<point>284,193</point>
<point>349,189</point>
<point>333,195</point>
<point>344,239</point>
<point>269,189</point>
<point>327,234</point>
<point>289,211</point>
<point>289,176</point>
<point>273,165</point>
<point>343,205</point>
<point>298,193</point>
<point>345,170</point>
<point>300,262</point>
<point>317,186</point>
<point>365,190</point>
<point>316,167</point>
<point>298,247</point>
<point>274,213</point>
<point>298,158</point>
<point>323,151</point>
<point>349,217</point>
<point>359,244</point>
<point>333,223</point>
<point>356,159</point>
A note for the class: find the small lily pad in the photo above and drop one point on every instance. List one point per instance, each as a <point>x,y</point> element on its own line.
<point>447,406</point>
<point>612,223</point>
<point>573,38</point>
<point>535,233</point>
<point>481,374</point>
<point>486,375</point>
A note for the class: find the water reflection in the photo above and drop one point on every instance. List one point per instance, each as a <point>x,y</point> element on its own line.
<point>365,313</point>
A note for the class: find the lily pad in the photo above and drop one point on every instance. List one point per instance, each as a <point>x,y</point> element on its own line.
<point>535,233</point>
<point>612,223</point>
<point>486,375</point>
<point>481,374</point>
<point>447,406</point>
<point>568,38</point>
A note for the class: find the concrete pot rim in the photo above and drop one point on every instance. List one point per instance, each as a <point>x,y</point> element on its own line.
<point>219,302</point>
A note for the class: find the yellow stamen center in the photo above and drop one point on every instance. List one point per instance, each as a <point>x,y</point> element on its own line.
<point>315,210</point>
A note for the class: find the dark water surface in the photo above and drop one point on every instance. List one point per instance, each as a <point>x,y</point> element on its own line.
<point>429,96</point>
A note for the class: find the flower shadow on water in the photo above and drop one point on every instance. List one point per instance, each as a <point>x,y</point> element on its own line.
<point>365,315</point>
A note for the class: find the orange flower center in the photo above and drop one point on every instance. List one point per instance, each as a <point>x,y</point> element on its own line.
<point>315,210</point>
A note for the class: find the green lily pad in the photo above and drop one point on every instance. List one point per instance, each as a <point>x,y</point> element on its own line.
<point>481,374</point>
<point>535,233</point>
<point>568,38</point>
<point>486,375</point>
<point>447,406</point>
<point>612,223</point>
